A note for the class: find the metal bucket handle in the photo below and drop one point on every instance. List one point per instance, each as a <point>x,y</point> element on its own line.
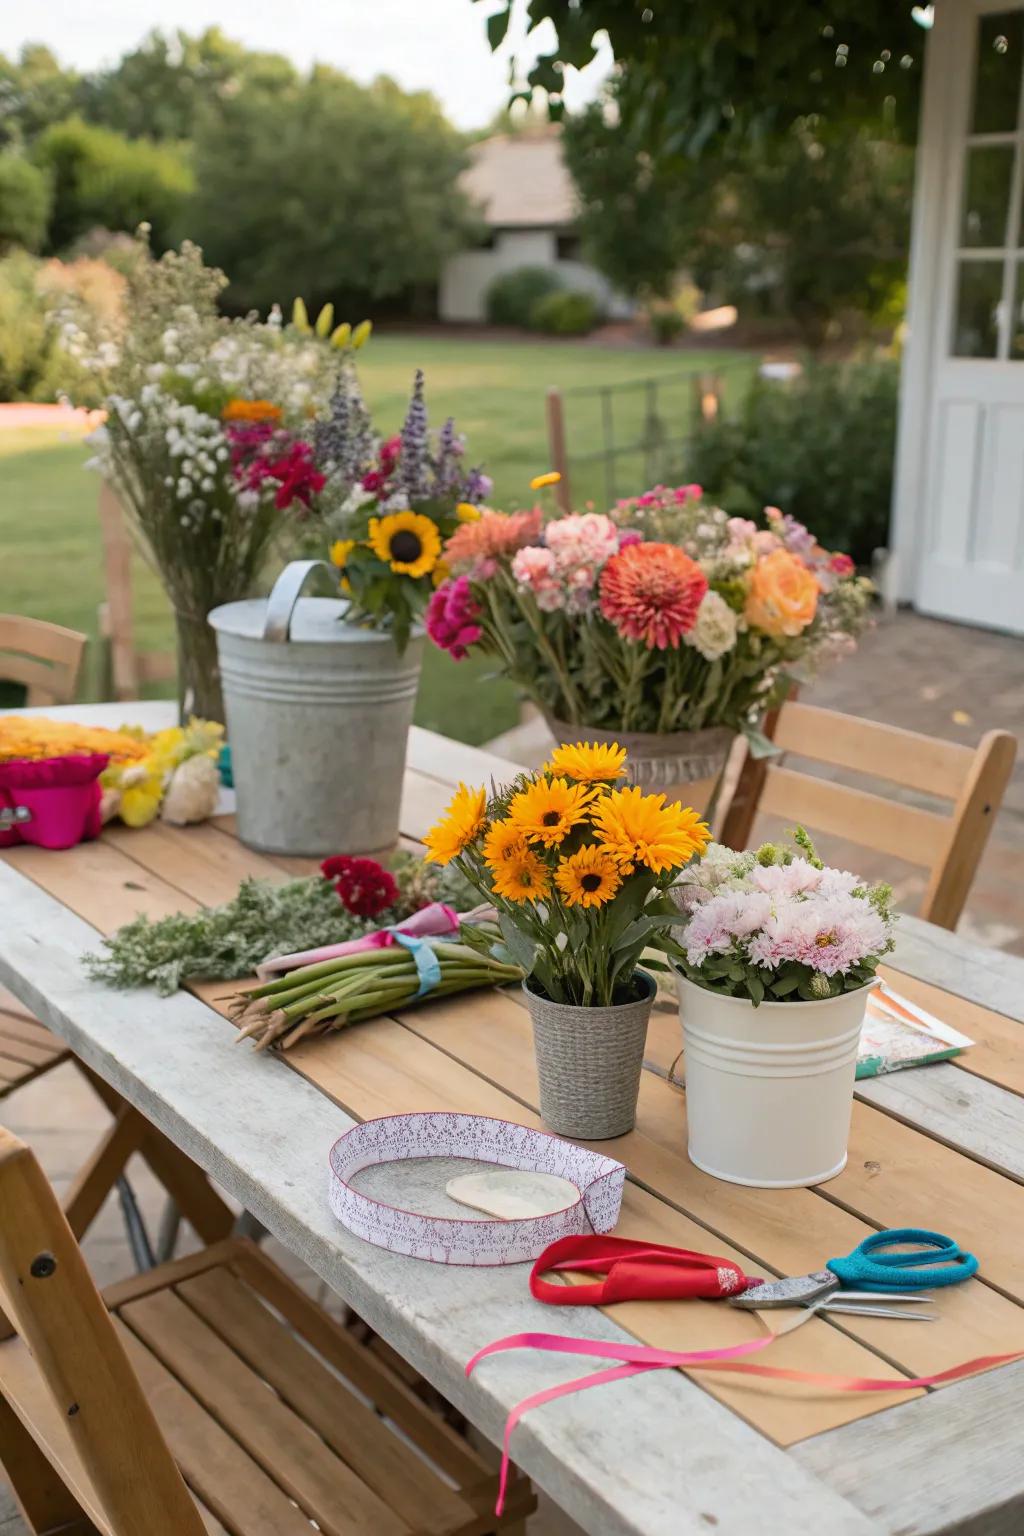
<point>284,594</point>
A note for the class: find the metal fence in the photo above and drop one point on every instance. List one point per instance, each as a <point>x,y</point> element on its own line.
<point>640,428</point>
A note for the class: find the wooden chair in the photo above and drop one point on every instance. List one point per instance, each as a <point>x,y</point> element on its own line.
<point>46,658</point>
<point>210,1395</point>
<point>123,669</point>
<point>949,846</point>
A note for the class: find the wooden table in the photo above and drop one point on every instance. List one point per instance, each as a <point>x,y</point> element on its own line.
<point>661,1454</point>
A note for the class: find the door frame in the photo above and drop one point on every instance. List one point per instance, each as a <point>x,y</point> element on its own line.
<point>947,86</point>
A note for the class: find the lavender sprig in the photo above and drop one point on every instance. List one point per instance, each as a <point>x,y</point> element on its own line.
<point>414,460</point>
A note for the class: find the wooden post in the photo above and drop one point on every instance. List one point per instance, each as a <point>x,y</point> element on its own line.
<point>117,620</point>
<point>556,448</point>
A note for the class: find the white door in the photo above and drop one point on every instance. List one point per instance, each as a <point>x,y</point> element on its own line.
<point>969,528</point>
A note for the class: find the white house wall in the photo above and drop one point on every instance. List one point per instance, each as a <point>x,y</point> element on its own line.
<point>465,278</point>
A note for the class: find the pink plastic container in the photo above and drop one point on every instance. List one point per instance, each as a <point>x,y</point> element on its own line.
<point>61,793</point>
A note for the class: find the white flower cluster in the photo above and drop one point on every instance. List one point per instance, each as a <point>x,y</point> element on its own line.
<point>191,443</point>
<point>715,628</point>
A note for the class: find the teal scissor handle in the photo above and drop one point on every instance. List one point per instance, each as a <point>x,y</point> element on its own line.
<point>936,1260</point>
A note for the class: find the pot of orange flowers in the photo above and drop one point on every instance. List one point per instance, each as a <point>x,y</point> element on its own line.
<point>577,864</point>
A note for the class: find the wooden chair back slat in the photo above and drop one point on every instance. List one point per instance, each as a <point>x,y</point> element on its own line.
<point>903,831</point>
<point>45,658</point>
<point>880,751</point>
<point>949,846</point>
<point>57,1311</point>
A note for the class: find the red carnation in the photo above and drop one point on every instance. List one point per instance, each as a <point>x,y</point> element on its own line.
<point>364,887</point>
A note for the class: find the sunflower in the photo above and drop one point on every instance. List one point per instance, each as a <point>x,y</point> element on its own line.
<point>460,824</point>
<point>545,812</point>
<point>588,878</point>
<point>502,841</point>
<point>339,553</point>
<point>406,541</point>
<point>635,828</point>
<point>522,877</point>
<point>588,763</point>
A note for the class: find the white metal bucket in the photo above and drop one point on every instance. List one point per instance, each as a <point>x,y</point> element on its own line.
<point>318,716</point>
<point>769,1090</point>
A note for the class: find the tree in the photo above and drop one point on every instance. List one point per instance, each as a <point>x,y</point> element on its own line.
<point>159,89</point>
<point>102,179</point>
<point>26,197</point>
<point>705,71</point>
<point>327,189</point>
<point>34,93</point>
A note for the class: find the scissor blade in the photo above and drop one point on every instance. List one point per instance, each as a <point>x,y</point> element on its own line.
<point>886,1296</point>
<point>852,1310</point>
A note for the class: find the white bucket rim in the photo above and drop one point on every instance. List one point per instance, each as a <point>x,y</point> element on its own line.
<point>800,1002</point>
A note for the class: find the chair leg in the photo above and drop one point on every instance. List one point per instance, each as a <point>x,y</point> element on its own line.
<point>98,1175</point>
<point>47,1505</point>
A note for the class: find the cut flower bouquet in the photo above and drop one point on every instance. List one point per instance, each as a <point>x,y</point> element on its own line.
<point>579,869</point>
<point>663,616</point>
<point>387,506</point>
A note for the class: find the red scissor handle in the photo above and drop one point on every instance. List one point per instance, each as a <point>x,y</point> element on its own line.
<point>632,1272</point>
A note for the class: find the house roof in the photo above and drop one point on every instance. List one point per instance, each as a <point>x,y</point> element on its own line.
<point>519,180</point>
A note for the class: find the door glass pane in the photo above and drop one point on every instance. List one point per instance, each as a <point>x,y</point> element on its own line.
<point>1017,318</point>
<point>986,195</point>
<point>979,293</point>
<point>998,72</point>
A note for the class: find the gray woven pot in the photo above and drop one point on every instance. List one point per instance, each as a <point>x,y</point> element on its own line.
<point>659,763</point>
<point>589,1062</point>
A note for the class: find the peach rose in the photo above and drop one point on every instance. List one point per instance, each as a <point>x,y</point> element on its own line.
<point>783,595</point>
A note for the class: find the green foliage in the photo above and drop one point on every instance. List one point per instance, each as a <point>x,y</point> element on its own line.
<point>159,90</point>
<point>712,71</point>
<point>566,313</point>
<point>821,447</point>
<point>26,197</point>
<point>666,324</point>
<point>264,919</point>
<point>35,91</point>
<point>103,179</point>
<point>30,359</point>
<point>512,296</point>
<point>329,189</point>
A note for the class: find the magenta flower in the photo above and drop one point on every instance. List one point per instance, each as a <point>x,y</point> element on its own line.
<point>451,616</point>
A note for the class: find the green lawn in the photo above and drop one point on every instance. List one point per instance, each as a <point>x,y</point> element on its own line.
<point>49,539</point>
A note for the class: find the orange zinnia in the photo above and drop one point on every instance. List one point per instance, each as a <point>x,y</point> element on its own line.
<point>651,593</point>
<point>251,410</point>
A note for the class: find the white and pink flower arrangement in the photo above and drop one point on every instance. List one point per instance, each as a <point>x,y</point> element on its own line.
<point>778,925</point>
<point>664,615</point>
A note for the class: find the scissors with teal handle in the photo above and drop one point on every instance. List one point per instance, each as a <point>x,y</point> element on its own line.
<point>897,1262</point>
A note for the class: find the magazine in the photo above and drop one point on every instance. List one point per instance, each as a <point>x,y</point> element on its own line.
<point>897,1034</point>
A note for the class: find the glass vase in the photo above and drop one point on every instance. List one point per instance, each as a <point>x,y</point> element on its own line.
<point>199,688</point>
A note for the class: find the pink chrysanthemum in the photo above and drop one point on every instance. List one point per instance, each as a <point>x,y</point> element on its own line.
<point>651,593</point>
<point>493,534</point>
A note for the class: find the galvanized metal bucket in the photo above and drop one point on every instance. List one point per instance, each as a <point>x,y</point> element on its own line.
<point>318,716</point>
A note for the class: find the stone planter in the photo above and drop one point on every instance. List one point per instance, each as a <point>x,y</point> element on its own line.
<point>589,1062</point>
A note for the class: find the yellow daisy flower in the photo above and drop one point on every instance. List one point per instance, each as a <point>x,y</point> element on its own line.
<point>522,877</point>
<point>635,828</point>
<point>546,812</point>
<point>340,551</point>
<point>461,823</point>
<point>588,763</point>
<point>142,789</point>
<point>503,840</point>
<point>442,570</point>
<point>467,513</point>
<point>588,878</point>
<point>540,481</point>
<point>406,541</point>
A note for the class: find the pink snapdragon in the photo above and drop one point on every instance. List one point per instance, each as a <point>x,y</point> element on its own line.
<point>451,618</point>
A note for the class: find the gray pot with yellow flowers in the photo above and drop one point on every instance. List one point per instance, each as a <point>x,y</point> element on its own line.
<point>578,867</point>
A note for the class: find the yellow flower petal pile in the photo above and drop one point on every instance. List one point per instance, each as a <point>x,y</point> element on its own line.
<point>36,737</point>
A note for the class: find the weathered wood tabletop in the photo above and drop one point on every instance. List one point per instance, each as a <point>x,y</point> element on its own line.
<point>661,1454</point>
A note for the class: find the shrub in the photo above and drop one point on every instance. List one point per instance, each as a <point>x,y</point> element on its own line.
<point>511,297</point>
<point>30,357</point>
<point>26,197</point>
<point>820,447</point>
<point>102,178</point>
<point>666,324</point>
<point>565,314</point>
